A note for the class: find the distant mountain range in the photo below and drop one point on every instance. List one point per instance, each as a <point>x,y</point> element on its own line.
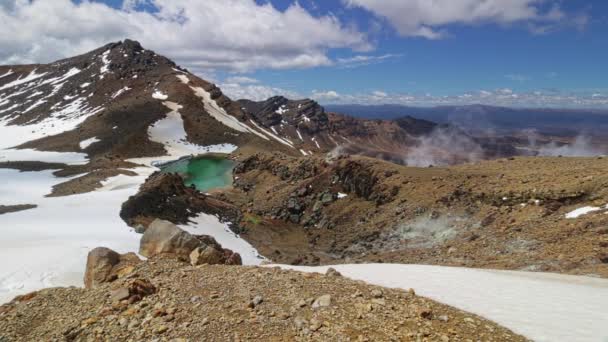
<point>499,119</point>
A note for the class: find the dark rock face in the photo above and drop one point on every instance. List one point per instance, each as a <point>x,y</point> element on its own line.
<point>165,196</point>
<point>314,185</point>
<point>306,114</point>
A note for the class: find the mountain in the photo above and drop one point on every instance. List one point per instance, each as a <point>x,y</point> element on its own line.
<point>396,140</point>
<point>104,104</point>
<point>83,143</point>
<point>484,118</point>
<point>113,95</point>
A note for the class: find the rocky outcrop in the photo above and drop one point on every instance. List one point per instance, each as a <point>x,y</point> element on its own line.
<point>105,265</point>
<point>165,238</point>
<point>305,114</point>
<point>165,196</point>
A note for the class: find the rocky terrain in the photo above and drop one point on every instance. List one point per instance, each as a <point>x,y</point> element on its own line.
<point>507,213</point>
<point>166,299</point>
<point>310,188</point>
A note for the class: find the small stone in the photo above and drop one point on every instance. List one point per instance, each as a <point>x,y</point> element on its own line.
<point>426,313</point>
<point>300,323</point>
<point>161,329</point>
<point>257,300</point>
<point>331,272</point>
<point>119,294</point>
<point>377,293</point>
<point>443,318</point>
<point>315,325</point>
<point>323,301</point>
<point>379,301</point>
<point>469,320</point>
<point>133,324</point>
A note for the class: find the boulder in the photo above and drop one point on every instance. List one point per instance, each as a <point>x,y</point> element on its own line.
<point>206,255</point>
<point>321,302</point>
<point>105,265</point>
<point>163,237</point>
<point>100,262</point>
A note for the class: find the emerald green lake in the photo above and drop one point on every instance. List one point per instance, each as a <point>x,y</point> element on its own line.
<point>204,173</point>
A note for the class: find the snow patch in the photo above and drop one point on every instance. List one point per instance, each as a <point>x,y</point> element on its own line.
<point>303,152</point>
<point>9,72</point>
<point>341,195</point>
<point>581,211</point>
<point>159,95</point>
<point>299,134</point>
<point>105,68</point>
<point>86,143</point>
<point>282,110</point>
<point>120,92</point>
<point>36,104</point>
<point>170,132</point>
<point>183,78</point>
<point>22,80</point>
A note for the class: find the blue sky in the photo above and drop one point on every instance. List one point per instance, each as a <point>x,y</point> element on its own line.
<point>549,53</point>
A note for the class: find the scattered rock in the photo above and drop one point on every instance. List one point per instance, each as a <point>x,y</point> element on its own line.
<point>321,302</point>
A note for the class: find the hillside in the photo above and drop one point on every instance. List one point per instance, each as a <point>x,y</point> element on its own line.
<point>163,297</point>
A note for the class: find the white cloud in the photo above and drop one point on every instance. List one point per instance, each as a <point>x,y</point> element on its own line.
<point>425,18</point>
<point>362,60</point>
<point>241,80</point>
<point>237,35</point>
<point>329,95</point>
<point>379,94</point>
<point>255,92</point>
<point>499,97</point>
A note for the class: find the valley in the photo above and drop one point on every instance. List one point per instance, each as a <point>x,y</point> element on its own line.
<point>97,148</point>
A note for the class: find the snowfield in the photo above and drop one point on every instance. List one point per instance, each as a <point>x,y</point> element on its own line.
<point>47,246</point>
<point>541,306</point>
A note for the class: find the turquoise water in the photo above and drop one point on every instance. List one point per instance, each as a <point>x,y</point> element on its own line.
<point>204,173</point>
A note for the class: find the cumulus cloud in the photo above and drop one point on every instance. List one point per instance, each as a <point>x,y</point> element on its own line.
<point>326,96</point>
<point>424,18</point>
<point>238,35</point>
<point>498,97</point>
<point>255,92</point>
